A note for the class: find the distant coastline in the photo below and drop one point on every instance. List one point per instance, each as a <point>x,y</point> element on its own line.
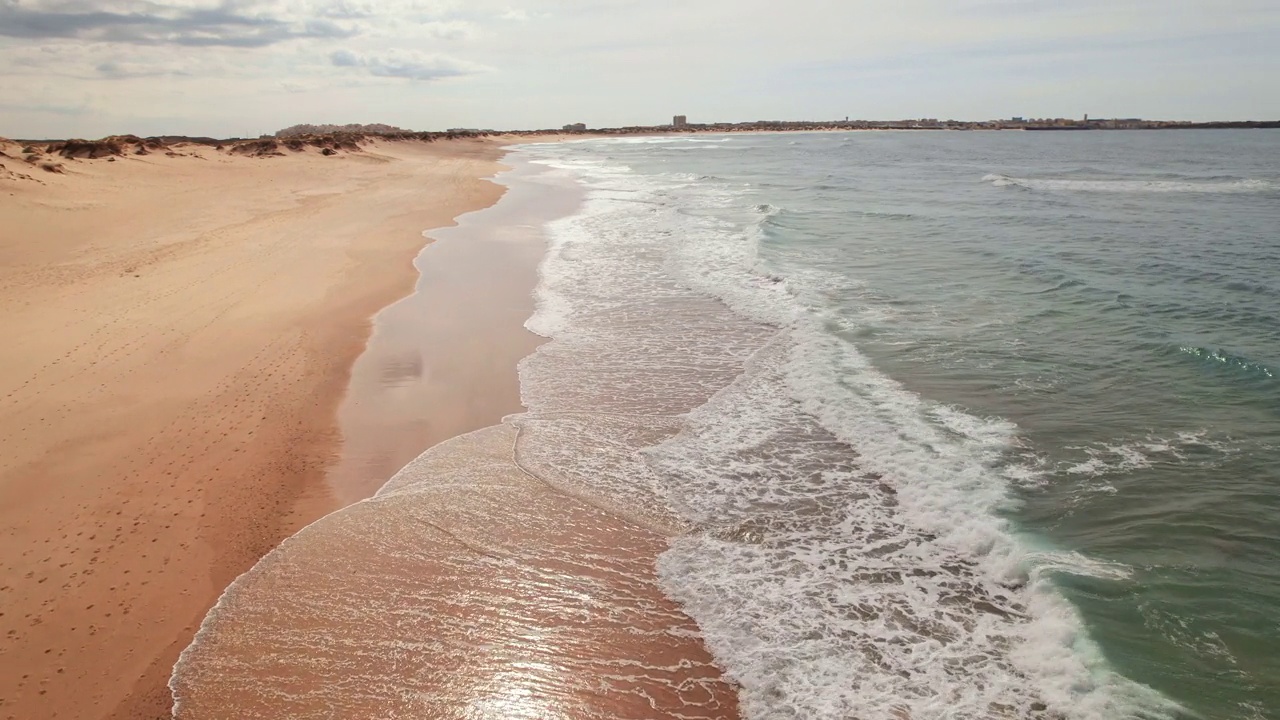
<point>334,137</point>
<point>921,124</point>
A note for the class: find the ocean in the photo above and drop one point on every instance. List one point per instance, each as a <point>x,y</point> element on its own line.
<point>918,425</point>
<point>948,424</point>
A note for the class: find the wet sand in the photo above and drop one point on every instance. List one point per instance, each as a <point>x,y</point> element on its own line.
<point>469,590</point>
<point>442,361</point>
<point>179,332</point>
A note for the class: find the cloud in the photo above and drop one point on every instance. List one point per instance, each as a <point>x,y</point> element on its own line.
<point>345,58</point>
<point>411,65</point>
<point>262,64</point>
<point>46,109</point>
<point>294,87</point>
<point>449,30</point>
<point>228,24</point>
<point>405,9</point>
<point>71,61</point>
<point>118,69</point>
<point>112,68</point>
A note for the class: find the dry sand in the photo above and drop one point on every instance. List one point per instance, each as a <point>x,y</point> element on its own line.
<point>178,332</point>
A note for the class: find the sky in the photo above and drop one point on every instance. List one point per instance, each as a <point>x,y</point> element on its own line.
<point>89,68</point>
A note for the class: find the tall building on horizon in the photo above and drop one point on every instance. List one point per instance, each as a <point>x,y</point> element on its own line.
<point>679,121</point>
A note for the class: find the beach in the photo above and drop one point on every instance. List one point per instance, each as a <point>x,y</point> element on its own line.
<point>214,354</point>
<point>700,427</point>
<point>180,331</point>
<point>473,584</point>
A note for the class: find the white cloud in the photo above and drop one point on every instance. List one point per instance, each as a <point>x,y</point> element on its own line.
<point>108,61</point>
<point>379,8</point>
<point>449,29</point>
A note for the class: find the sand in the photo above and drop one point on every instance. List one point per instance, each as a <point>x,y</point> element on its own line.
<point>468,587</point>
<point>453,344</point>
<point>192,375</point>
<point>178,334</point>
<point>466,590</point>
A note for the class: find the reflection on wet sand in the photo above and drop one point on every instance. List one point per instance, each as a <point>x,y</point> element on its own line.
<point>441,362</point>
<point>465,589</point>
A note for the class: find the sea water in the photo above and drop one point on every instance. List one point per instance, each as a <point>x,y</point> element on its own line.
<point>945,424</point>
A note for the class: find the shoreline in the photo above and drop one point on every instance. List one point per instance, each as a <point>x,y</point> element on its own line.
<point>427,375</point>
<point>186,328</point>
<point>465,585</point>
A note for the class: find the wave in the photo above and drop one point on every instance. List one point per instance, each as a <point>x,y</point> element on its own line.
<point>1121,457</point>
<point>1093,468</point>
<point>844,551</point>
<point>1219,358</point>
<point>660,140</point>
<point>879,215</point>
<point>1132,186</point>
<point>1063,285</point>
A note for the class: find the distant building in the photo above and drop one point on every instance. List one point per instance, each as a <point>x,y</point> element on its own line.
<point>679,121</point>
<point>575,127</point>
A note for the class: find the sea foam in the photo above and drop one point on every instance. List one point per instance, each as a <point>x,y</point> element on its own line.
<point>1239,185</point>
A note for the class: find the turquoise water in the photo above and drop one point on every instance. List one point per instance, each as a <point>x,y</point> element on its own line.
<point>992,425</point>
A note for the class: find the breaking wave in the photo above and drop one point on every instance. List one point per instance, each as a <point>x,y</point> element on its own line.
<point>1132,186</point>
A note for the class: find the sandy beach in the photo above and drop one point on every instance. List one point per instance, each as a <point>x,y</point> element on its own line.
<point>179,334</point>
<point>469,586</point>
<point>208,353</point>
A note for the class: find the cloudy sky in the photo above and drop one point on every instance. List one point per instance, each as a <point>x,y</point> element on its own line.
<point>245,67</point>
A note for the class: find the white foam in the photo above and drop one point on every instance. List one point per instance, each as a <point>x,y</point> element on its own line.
<point>666,140</point>
<point>1132,186</point>
<point>1124,455</point>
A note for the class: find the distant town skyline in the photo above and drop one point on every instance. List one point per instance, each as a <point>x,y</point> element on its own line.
<point>247,67</point>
